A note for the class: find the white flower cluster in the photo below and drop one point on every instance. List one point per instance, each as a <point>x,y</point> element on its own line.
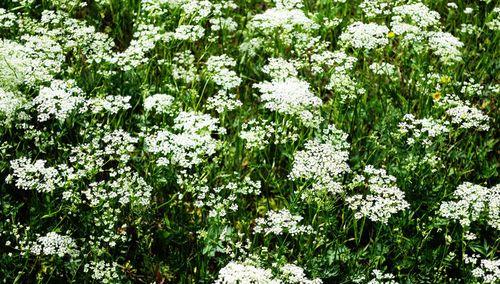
<point>10,103</point>
<point>223,101</point>
<point>421,130</point>
<point>472,88</point>
<point>486,271</point>
<point>53,244</point>
<point>286,93</point>
<point>35,175</point>
<point>183,67</point>
<point>290,96</point>
<point>190,142</point>
<point>7,19</point>
<point>227,24</point>
<point>196,10</point>
<point>383,200</point>
<point>144,40</point>
<point>463,114</point>
<point>340,65</point>
<point>383,68</point>
<point>240,273</point>
<point>218,67</point>
<point>190,33</point>
<point>294,274</point>
<point>223,198</point>
<point>103,272</point>
<point>345,85</point>
<point>258,134</point>
<point>338,60</point>
<point>374,8</point>
<point>76,36</point>
<point>59,100</point>
<point>38,60</point>
<point>160,103</point>
<point>281,18</point>
<point>248,272</point>
<point>110,103</point>
<point>494,20</point>
<point>445,46</point>
<point>472,203</point>
<point>367,36</point>
<point>417,14</point>
<point>124,186</point>
<point>280,69</point>
<point>281,222</point>
<point>288,4</point>
<point>382,278</point>
<point>120,144</point>
<point>323,160</point>
<point>468,117</point>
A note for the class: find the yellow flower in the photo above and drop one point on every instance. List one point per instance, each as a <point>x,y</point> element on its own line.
<point>391,35</point>
<point>445,79</point>
<point>436,96</point>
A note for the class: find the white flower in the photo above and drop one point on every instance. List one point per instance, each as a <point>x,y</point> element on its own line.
<point>422,130</point>
<point>468,117</point>
<point>289,96</point>
<point>288,4</point>
<point>119,143</point>
<point>383,200</point>
<point>218,67</point>
<point>417,14</point>
<point>281,222</point>
<point>494,22</point>
<point>258,134</point>
<point>10,103</point>
<point>367,36</point>
<point>238,273</point>
<point>144,40</point>
<point>323,161</point>
<point>109,103</point>
<point>374,8</point>
<point>343,84</point>
<point>161,103</point>
<point>38,60</point>
<point>7,19</point>
<point>189,143</point>
<point>281,18</point>
<point>189,32</point>
<point>383,68</point>
<point>382,278</point>
<point>103,272</point>
<point>35,175</point>
<point>445,46</point>
<point>53,244</point>
<point>280,69</point>
<point>294,274</point>
<point>125,187</point>
<point>59,100</point>
<point>183,67</point>
<point>338,60</point>
<point>473,202</point>
<point>223,101</point>
<point>486,270</point>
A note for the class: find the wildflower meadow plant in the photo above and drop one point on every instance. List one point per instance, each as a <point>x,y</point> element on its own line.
<point>245,142</point>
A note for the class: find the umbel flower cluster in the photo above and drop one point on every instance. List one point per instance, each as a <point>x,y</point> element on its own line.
<point>245,142</point>
<point>383,198</point>
<point>473,203</point>
<point>323,161</point>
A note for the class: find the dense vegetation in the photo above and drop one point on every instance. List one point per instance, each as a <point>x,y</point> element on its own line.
<point>275,141</point>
